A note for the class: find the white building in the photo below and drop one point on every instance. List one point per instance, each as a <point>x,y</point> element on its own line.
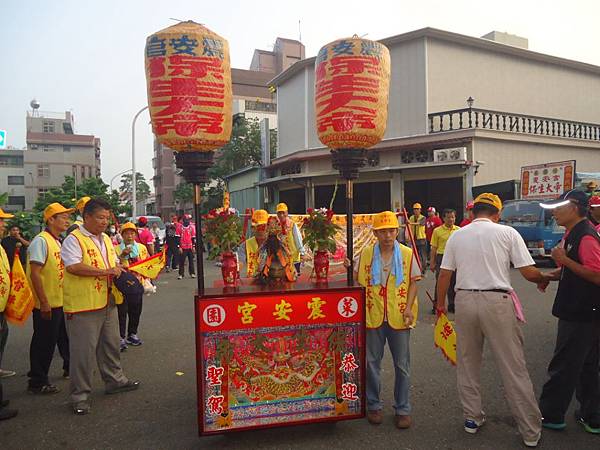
<point>528,108</point>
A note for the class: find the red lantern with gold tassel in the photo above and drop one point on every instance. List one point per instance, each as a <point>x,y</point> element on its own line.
<point>352,79</point>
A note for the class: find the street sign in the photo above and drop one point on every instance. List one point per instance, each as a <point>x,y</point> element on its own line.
<point>2,138</point>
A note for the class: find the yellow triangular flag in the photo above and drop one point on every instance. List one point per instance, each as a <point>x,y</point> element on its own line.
<point>444,337</point>
<point>20,299</point>
<point>150,267</point>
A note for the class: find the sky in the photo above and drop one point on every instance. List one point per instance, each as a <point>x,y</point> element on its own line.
<point>88,56</point>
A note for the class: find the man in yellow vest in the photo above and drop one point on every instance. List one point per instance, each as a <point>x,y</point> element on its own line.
<point>293,236</point>
<point>46,275</point>
<point>249,251</point>
<point>90,311</point>
<point>5,413</point>
<point>389,272</point>
<point>417,227</point>
<point>79,209</point>
<point>130,252</point>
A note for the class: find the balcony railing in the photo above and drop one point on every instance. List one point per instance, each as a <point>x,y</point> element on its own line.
<point>461,119</point>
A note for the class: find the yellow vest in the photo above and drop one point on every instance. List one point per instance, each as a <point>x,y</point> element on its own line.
<point>251,257</point>
<point>294,250</point>
<point>143,251</point>
<point>4,279</point>
<point>81,294</point>
<point>52,273</point>
<point>390,299</point>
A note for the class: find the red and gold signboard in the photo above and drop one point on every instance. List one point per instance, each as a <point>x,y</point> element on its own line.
<point>547,181</point>
<point>352,78</point>
<point>280,357</point>
<point>188,76</point>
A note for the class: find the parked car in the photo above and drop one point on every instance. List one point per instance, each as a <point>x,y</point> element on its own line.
<point>536,225</point>
<point>151,220</point>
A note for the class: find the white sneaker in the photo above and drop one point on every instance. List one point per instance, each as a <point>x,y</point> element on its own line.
<point>193,275</point>
<point>7,373</point>
<point>180,277</point>
<point>533,443</point>
<point>472,426</point>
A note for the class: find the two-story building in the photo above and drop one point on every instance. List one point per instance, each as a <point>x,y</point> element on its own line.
<point>463,112</point>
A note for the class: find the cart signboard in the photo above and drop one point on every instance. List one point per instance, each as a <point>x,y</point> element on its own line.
<point>547,181</point>
<point>276,358</point>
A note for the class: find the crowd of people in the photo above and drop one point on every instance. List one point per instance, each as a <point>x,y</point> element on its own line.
<point>78,309</point>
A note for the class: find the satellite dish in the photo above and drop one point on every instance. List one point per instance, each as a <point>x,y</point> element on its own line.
<point>34,104</point>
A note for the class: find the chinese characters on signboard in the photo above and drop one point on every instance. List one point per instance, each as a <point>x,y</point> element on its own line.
<point>352,79</point>
<point>267,359</point>
<point>547,181</point>
<point>189,87</point>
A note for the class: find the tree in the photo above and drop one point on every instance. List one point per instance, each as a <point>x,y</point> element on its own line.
<point>65,194</point>
<point>211,196</point>
<point>184,192</point>
<point>243,150</point>
<point>30,223</point>
<point>142,191</point>
<point>3,199</point>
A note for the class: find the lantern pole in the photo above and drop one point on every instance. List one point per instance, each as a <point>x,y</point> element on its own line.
<point>194,167</point>
<point>348,161</point>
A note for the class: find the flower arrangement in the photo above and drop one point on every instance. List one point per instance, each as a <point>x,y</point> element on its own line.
<point>319,230</point>
<point>223,229</point>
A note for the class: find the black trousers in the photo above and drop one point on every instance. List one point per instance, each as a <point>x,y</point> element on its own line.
<point>451,291</point>
<point>573,368</point>
<point>47,334</point>
<point>189,254</point>
<point>172,257</point>
<point>132,308</point>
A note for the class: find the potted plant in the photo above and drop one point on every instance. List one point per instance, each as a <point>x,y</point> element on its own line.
<point>224,231</point>
<point>319,231</point>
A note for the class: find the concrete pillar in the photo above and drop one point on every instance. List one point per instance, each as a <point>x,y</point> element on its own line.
<point>397,191</point>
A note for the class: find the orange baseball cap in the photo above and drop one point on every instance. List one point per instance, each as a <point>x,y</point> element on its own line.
<point>128,226</point>
<point>55,208</point>
<point>81,203</point>
<point>282,207</point>
<point>4,215</point>
<point>489,199</point>
<point>260,217</point>
<point>417,205</point>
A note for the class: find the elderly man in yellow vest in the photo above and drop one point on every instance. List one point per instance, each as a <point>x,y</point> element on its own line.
<point>46,275</point>
<point>389,272</point>
<point>293,236</point>
<point>249,251</point>
<point>90,311</point>
<point>5,413</point>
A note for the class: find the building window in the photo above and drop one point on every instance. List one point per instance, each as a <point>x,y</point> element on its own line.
<point>43,170</point>
<point>66,148</point>
<point>16,200</point>
<point>42,192</point>
<point>16,180</point>
<point>48,127</point>
<point>47,148</point>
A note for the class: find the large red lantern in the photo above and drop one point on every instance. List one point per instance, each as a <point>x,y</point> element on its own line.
<point>188,77</point>
<point>352,79</point>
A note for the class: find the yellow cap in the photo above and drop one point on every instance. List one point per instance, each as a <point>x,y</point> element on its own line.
<point>55,208</point>
<point>260,217</point>
<point>128,226</point>
<point>385,219</point>
<point>4,215</point>
<point>417,205</point>
<point>282,207</point>
<point>81,203</point>
<point>489,199</point>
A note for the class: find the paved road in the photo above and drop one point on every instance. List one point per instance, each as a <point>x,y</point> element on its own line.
<point>162,414</point>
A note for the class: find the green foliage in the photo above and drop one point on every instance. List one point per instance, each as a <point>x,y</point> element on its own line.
<point>319,230</point>
<point>243,150</point>
<point>3,199</point>
<point>223,230</point>
<point>92,187</point>
<point>212,196</point>
<point>184,192</point>
<point>143,189</point>
<point>30,223</point>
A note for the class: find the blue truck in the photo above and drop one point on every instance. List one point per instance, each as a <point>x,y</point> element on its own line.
<point>536,225</point>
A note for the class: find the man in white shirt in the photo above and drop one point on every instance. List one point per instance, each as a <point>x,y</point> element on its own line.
<point>481,254</point>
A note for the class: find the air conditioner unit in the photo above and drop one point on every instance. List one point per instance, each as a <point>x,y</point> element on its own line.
<point>450,154</point>
<point>34,146</point>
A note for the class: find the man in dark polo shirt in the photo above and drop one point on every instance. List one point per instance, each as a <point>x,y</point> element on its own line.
<point>574,366</point>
